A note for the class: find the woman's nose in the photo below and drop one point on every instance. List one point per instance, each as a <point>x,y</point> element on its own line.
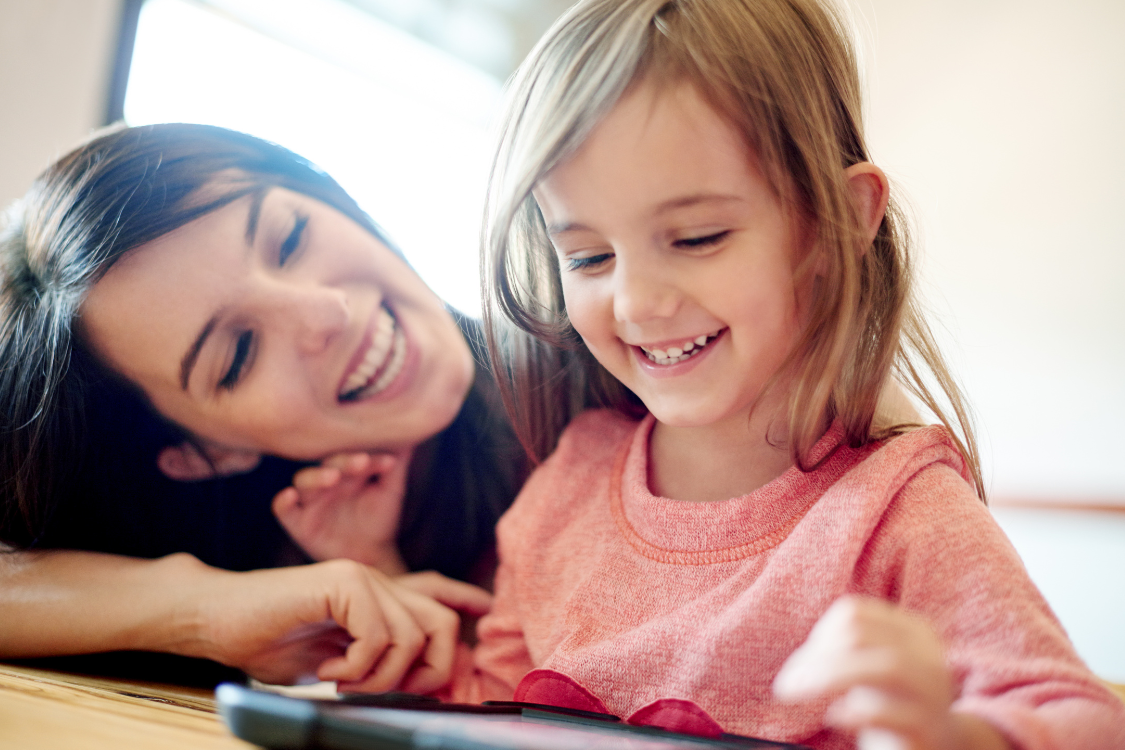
<point>641,292</point>
<point>316,314</point>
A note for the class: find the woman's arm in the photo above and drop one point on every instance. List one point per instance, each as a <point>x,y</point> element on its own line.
<point>338,620</point>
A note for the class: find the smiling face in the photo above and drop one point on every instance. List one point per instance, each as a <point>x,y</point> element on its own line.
<point>677,259</point>
<point>295,333</point>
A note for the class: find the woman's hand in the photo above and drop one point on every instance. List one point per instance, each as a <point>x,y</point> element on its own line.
<point>348,507</point>
<point>338,620</point>
<point>886,671</point>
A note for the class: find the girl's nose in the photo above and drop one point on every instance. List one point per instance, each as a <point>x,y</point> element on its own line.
<point>641,291</point>
<point>317,314</point>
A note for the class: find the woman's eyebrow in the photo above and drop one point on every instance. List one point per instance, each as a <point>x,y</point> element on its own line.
<point>255,213</point>
<point>188,362</point>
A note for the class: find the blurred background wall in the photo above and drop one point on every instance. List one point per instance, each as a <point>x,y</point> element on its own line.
<point>1000,120</point>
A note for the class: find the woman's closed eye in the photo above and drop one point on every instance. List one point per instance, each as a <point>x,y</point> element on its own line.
<point>293,241</point>
<point>243,349</point>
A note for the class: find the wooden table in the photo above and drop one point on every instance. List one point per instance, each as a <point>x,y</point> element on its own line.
<point>47,710</point>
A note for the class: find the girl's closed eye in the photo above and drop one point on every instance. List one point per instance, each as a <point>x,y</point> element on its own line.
<point>587,263</point>
<point>243,354</point>
<point>702,241</point>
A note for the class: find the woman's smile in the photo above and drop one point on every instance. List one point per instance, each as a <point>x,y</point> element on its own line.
<point>379,361</point>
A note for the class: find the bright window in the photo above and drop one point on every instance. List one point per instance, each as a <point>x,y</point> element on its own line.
<point>402,125</point>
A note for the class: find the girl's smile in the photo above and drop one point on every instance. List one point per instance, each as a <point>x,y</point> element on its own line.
<point>676,257</point>
<point>276,324</point>
<point>676,357</point>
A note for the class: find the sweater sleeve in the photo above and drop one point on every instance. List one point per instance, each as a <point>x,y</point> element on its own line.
<point>1007,651</point>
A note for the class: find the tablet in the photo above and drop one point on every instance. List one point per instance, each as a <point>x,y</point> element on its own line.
<point>402,722</point>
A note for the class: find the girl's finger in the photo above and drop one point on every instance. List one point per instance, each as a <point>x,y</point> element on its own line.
<point>887,721</point>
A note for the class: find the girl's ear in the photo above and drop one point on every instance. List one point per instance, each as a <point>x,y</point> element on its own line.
<point>870,192</point>
<point>187,463</point>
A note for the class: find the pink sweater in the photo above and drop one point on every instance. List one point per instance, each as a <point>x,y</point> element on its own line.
<point>681,614</point>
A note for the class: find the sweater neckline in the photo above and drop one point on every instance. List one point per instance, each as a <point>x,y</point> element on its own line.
<point>689,533</point>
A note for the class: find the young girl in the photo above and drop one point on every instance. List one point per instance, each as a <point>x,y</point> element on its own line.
<point>684,219</point>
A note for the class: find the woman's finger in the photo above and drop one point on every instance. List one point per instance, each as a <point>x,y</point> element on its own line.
<point>285,503</point>
<point>348,463</point>
<point>316,477</point>
<point>405,641</point>
<point>458,595</point>
<point>441,627</point>
<point>357,606</point>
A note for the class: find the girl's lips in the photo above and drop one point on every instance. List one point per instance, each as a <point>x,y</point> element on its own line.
<point>655,370</point>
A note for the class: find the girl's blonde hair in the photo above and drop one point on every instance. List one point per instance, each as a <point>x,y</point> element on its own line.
<point>784,74</point>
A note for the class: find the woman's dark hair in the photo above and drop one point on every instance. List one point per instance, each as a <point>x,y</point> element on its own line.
<point>117,192</point>
<point>105,198</point>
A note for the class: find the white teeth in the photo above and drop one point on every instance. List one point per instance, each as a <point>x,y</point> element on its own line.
<point>387,352</point>
<point>679,354</point>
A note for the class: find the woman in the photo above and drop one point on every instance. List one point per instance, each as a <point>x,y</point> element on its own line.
<point>245,297</point>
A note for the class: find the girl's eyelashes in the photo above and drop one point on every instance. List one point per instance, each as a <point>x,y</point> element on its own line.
<point>293,241</point>
<point>704,241</point>
<point>577,264</point>
<point>243,348</point>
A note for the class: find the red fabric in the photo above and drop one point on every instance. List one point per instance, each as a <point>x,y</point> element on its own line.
<point>555,689</point>
<point>640,600</point>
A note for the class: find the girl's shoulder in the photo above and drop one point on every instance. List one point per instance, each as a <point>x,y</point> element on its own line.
<point>873,473</point>
<point>907,453</point>
<point>587,448</point>
<point>594,432</point>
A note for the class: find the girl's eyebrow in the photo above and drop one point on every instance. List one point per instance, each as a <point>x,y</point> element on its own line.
<point>567,226</point>
<point>694,200</point>
<point>685,201</point>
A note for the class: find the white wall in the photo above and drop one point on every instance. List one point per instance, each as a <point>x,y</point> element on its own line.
<point>1003,120</point>
<point>55,63</point>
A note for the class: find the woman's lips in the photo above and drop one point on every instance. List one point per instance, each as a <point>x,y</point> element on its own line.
<point>379,362</point>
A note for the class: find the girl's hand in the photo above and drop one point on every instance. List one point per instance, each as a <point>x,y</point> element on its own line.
<point>338,620</point>
<point>886,671</point>
<point>348,507</point>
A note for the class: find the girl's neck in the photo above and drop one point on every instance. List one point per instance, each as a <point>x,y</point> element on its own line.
<point>718,461</point>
